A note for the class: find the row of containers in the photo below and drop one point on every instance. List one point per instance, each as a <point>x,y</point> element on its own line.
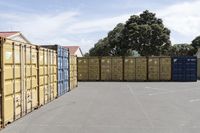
<point>32,76</point>
<point>137,68</point>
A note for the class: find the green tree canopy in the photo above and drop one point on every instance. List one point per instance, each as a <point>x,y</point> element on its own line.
<point>143,33</point>
<point>196,43</point>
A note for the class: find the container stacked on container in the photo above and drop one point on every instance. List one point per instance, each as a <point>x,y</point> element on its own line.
<point>47,75</point>
<point>62,67</point>
<point>73,71</point>
<point>19,86</point>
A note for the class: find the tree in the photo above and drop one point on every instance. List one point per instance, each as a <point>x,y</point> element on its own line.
<point>101,48</point>
<point>196,43</point>
<point>182,50</point>
<point>147,34</point>
<point>144,34</point>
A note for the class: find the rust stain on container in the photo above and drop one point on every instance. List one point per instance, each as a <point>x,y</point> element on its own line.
<point>94,70</point>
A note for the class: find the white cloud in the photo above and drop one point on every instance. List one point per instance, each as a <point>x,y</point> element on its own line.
<point>104,24</point>
<point>183,18</point>
<point>56,28</point>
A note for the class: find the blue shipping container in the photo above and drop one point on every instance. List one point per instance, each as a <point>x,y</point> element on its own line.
<point>184,69</point>
<point>63,68</point>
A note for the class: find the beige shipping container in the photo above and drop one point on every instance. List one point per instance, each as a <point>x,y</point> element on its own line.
<point>73,72</point>
<point>165,68</point>
<point>82,68</point>
<point>141,68</point>
<point>106,68</point>
<point>94,70</point>
<point>47,75</point>
<point>116,68</point>
<point>19,86</point>
<point>129,68</point>
<point>153,68</point>
<point>198,68</point>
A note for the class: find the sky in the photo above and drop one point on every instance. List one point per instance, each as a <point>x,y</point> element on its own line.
<point>84,22</point>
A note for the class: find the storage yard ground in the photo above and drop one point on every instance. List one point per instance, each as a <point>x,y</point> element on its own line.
<point>118,107</point>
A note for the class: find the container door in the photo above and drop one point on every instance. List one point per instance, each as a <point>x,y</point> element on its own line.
<point>129,69</point>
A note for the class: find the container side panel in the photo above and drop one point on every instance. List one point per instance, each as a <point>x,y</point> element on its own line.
<point>153,68</point>
<point>141,69</point>
<point>117,68</point>
<point>129,68</point>
<point>105,68</point>
<point>94,70</point>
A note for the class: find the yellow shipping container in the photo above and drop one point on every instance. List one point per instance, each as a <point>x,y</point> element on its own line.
<point>117,68</point>
<point>141,68</point>
<point>82,68</point>
<point>73,72</point>
<point>47,75</point>
<point>106,68</point>
<point>94,70</point>
<point>198,68</point>
<point>165,68</point>
<point>153,68</point>
<point>19,86</point>
<point>129,68</point>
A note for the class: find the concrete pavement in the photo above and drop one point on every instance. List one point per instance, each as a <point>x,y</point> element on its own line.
<point>118,107</point>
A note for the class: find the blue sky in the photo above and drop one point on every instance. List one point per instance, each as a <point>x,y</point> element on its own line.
<point>84,22</point>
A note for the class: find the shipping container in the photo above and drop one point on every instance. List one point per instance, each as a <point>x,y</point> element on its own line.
<point>82,68</point>
<point>106,68</point>
<point>165,68</point>
<point>47,75</point>
<point>94,70</point>
<point>73,72</point>
<point>184,69</point>
<point>141,68</point>
<point>153,68</point>
<point>198,68</point>
<point>19,86</point>
<point>62,68</point>
<point>129,68</point>
<point>116,68</point>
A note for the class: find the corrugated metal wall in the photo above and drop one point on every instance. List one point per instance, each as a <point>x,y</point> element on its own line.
<point>94,70</point>
<point>106,68</point>
<point>116,68</point>
<point>83,68</point>
<point>184,68</point>
<point>19,86</point>
<point>63,67</point>
<point>153,68</point>
<point>198,68</point>
<point>47,75</point>
<point>141,68</point>
<point>129,68</point>
<point>73,72</point>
